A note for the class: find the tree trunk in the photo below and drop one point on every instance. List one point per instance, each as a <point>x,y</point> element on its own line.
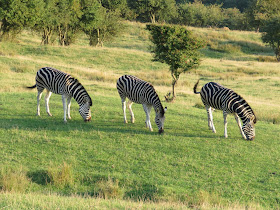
<point>153,17</point>
<point>47,33</point>
<point>174,83</point>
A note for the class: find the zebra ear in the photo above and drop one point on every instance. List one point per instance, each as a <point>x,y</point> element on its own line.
<point>165,109</point>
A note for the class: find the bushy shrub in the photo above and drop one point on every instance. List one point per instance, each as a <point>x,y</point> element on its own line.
<point>61,176</point>
<point>109,189</point>
<point>12,180</point>
<point>234,19</point>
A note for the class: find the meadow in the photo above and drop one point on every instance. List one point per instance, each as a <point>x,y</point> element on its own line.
<point>105,163</point>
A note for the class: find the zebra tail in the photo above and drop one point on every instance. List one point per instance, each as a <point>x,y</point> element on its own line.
<point>195,86</point>
<point>32,86</point>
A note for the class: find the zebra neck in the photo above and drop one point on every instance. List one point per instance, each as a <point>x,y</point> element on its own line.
<point>157,105</point>
<point>246,114</point>
<point>78,92</point>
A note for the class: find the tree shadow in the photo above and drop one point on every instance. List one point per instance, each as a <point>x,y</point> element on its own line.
<point>229,49</point>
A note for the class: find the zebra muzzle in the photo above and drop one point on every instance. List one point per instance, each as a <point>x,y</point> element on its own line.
<point>160,131</point>
<point>88,119</point>
<point>251,139</point>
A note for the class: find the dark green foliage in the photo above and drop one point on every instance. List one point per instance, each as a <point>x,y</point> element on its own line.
<point>272,35</point>
<point>120,6</point>
<point>47,21</point>
<point>99,23</point>
<point>201,15</point>
<point>15,15</point>
<point>175,46</point>
<point>69,13</point>
<point>154,10</point>
<point>262,10</point>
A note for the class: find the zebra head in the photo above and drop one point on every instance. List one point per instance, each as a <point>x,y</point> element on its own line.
<point>248,129</point>
<point>85,110</point>
<point>159,119</point>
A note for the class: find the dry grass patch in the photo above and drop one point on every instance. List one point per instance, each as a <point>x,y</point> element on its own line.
<point>61,176</point>
<point>12,180</point>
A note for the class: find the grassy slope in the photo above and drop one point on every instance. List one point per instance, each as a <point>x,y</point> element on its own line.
<point>188,163</point>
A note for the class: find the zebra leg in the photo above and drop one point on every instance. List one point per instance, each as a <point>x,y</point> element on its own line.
<point>124,109</point>
<point>239,125</point>
<point>129,105</point>
<point>40,92</point>
<point>64,98</point>
<point>225,123</point>
<point>147,109</point>
<point>47,99</point>
<point>210,119</point>
<point>68,106</point>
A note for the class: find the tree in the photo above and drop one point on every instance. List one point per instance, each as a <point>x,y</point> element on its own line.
<point>234,19</point>
<point>271,35</point>
<point>260,11</point>
<point>154,10</point>
<point>16,15</point>
<point>69,12</point>
<point>177,47</point>
<point>99,23</point>
<point>47,22</point>
<point>198,14</point>
<point>120,6</point>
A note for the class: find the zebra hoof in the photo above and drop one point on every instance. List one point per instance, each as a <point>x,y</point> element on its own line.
<point>125,121</point>
<point>50,114</point>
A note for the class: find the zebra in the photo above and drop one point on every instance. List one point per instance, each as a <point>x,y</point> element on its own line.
<point>215,96</point>
<point>141,92</point>
<point>55,81</point>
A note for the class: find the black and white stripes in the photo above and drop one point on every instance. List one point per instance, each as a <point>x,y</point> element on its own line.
<point>55,81</point>
<point>141,92</point>
<point>215,96</point>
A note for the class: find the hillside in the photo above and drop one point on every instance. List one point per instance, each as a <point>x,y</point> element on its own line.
<point>188,165</point>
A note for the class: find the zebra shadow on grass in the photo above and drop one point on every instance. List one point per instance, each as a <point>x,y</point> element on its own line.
<point>29,122</point>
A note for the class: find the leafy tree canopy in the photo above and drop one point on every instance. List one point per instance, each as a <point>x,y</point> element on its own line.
<point>271,34</point>
<point>177,47</point>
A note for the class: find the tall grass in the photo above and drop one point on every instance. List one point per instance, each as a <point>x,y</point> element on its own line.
<point>14,180</point>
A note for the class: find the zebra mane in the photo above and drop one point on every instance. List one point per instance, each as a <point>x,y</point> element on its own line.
<point>77,82</point>
<point>249,108</point>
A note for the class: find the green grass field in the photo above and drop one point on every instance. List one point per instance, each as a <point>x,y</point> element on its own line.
<point>46,163</point>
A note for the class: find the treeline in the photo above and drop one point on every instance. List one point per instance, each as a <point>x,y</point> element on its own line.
<point>100,20</point>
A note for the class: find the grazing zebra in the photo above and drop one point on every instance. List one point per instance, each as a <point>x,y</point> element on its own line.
<point>63,84</point>
<point>141,92</point>
<point>215,96</point>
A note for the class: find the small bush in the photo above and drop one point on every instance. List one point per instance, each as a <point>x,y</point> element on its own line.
<point>61,176</point>
<point>109,189</point>
<point>14,180</point>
